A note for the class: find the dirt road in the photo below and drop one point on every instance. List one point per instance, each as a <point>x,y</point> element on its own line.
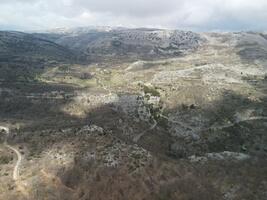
<point>19,156</point>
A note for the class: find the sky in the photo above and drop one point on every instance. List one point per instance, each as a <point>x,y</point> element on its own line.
<point>196,15</point>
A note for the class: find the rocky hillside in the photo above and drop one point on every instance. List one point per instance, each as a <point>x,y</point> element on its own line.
<point>109,43</point>
<point>189,127</point>
<point>21,54</point>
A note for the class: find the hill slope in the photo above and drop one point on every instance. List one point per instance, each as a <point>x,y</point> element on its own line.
<point>112,43</point>
<point>21,52</point>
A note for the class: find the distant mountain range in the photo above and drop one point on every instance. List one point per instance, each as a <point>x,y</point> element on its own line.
<point>101,43</point>
<point>105,44</point>
<point>96,44</point>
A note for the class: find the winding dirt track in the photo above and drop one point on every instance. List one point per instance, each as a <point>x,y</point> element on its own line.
<point>19,156</point>
<point>235,123</point>
<point>137,137</point>
<point>19,159</point>
<point>216,127</point>
<point>154,125</point>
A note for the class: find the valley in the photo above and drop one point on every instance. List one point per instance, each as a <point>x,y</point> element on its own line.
<point>133,114</point>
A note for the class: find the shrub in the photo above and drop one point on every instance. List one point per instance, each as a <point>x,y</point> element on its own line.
<point>85,76</point>
<point>152,91</point>
<point>5,159</point>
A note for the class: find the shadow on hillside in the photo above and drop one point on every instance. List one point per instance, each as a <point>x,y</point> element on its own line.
<point>34,102</point>
<point>223,131</point>
<point>43,114</point>
<point>252,47</point>
<point>164,177</point>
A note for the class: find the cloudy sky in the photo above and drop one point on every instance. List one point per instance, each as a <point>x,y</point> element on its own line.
<point>197,15</point>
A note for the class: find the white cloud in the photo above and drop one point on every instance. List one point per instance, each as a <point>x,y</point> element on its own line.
<point>191,14</point>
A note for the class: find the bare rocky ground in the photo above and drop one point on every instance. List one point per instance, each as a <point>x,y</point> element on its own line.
<point>189,127</point>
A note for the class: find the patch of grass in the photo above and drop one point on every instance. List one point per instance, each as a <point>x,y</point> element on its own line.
<point>4,159</point>
<point>163,123</point>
